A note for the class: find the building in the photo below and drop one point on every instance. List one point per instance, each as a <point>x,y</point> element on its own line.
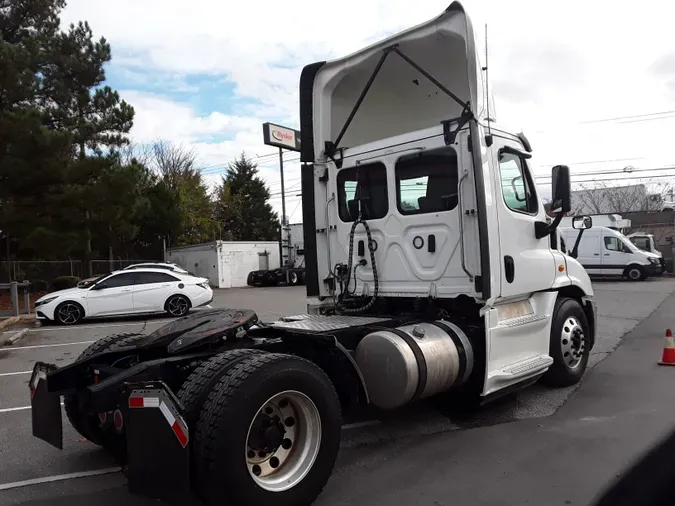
<point>226,264</point>
<point>614,199</point>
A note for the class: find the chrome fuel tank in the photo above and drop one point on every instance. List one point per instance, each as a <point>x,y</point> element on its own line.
<point>403,364</point>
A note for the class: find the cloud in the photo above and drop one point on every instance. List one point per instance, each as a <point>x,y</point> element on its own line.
<point>552,67</point>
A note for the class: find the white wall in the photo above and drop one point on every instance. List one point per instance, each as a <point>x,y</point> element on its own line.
<point>237,259</point>
<point>200,259</point>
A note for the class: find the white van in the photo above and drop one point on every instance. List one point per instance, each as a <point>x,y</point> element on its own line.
<point>606,252</point>
<point>645,242</point>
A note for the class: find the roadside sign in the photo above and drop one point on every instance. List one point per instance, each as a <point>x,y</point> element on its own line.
<point>281,137</point>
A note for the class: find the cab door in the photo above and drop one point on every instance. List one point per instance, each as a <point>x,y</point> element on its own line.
<point>527,262</point>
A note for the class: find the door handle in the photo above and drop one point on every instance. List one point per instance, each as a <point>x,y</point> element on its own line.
<point>509,269</point>
<point>596,254</point>
<point>606,254</point>
<point>431,242</point>
<point>126,290</point>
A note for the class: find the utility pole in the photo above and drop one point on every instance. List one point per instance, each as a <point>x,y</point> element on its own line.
<point>282,138</point>
<point>285,240</point>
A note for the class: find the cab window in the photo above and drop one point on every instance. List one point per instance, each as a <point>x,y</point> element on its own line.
<point>517,185</point>
<point>427,183</point>
<point>365,185</point>
<point>641,242</point>
<point>614,244</point>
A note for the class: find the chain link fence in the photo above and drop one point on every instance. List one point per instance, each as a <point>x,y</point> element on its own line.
<point>42,273</point>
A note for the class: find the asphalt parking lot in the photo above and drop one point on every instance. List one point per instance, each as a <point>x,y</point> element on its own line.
<point>32,472</point>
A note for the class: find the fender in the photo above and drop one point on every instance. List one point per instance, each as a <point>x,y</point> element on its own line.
<point>336,361</point>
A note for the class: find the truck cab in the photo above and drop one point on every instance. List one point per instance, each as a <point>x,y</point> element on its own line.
<point>415,197</point>
<point>645,242</point>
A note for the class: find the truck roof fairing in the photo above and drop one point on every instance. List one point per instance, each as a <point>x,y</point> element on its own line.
<point>401,98</point>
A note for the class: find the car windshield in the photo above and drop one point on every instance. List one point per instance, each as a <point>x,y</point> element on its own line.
<point>94,281</point>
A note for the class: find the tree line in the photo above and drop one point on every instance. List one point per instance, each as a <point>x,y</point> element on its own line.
<point>72,184</point>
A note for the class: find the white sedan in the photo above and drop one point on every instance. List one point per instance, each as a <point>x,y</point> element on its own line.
<point>126,292</point>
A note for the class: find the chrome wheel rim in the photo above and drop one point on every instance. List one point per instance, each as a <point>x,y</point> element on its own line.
<point>283,441</point>
<point>69,313</point>
<point>294,278</point>
<point>573,342</point>
<point>178,306</point>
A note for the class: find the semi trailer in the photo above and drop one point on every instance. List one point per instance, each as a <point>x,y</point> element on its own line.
<point>432,270</point>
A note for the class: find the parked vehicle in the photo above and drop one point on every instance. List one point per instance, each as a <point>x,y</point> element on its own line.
<point>158,265</point>
<point>293,272</point>
<point>126,292</point>
<point>645,242</point>
<point>430,272</point>
<point>606,252</point>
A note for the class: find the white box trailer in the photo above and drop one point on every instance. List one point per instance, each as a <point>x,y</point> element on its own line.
<point>226,264</point>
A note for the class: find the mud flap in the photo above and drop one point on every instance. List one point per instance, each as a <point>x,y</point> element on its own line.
<point>158,452</point>
<point>45,407</point>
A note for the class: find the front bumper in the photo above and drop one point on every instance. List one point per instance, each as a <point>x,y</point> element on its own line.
<point>654,269</point>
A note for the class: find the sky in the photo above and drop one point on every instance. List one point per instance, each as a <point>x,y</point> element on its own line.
<point>592,84</point>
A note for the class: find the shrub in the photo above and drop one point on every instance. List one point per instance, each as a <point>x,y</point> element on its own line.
<point>63,282</point>
<point>38,285</point>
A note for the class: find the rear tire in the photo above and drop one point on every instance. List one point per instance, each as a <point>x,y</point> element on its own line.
<point>247,392</point>
<point>177,306</point>
<point>195,391</point>
<point>569,345</point>
<point>88,425</point>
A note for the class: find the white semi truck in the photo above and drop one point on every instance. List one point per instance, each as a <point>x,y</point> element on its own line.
<point>432,270</point>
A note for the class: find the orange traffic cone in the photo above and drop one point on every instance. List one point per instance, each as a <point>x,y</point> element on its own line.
<point>668,350</point>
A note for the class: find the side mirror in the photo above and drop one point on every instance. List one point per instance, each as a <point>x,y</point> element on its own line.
<point>582,222</point>
<point>562,192</point>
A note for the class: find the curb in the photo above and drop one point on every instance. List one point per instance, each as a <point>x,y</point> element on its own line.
<point>16,337</point>
<point>7,323</point>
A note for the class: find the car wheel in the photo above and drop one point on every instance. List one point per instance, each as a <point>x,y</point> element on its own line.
<point>273,421</point>
<point>635,273</point>
<point>69,313</point>
<point>292,278</point>
<point>177,305</point>
<point>569,344</point>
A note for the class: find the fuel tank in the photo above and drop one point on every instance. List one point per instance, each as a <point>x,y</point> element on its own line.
<point>412,362</point>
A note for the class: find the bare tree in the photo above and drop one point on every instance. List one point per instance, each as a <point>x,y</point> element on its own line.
<point>173,161</point>
<point>141,153</point>
<point>604,197</point>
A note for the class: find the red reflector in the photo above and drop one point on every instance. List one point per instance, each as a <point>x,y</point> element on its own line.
<point>95,379</point>
<point>135,402</point>
<point>182,437</point>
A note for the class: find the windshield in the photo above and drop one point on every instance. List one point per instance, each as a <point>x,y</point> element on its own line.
<point>641,242</point>
<point>87,283</point>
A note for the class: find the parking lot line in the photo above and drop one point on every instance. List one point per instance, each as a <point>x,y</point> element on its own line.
<point>45,345</point>
<point>59,477</point>
<point>20,408</point>
<point>101,325</point>
<point>14,373</point>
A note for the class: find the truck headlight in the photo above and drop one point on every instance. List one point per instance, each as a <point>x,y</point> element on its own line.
<point>654,260</point>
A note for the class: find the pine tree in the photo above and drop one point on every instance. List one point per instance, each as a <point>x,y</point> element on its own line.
<point>242,204</point>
